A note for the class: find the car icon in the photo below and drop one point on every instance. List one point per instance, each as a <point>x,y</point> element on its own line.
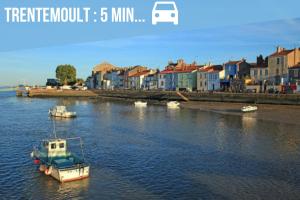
<point>165,11</point>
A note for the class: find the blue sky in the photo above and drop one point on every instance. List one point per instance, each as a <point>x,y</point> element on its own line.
<point>214,31</point>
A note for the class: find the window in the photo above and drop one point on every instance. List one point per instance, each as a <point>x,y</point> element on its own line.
<point>255,73</point>
<point>266,72</point>
<point>61,145</point>
<point>277,71</point>
<point>53,146</point>
<point>205,83</point>
<point>260,72</point>
<point>278,61</point>
<point>201,84</point>
<point>200,75</point>
<point>162,83</point>
<point>295,73</point>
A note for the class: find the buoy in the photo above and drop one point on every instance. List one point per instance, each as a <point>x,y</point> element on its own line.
<point>48,171</point>
<point>36,161</point>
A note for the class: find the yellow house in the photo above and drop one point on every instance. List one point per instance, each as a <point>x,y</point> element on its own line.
<point>279,63</point>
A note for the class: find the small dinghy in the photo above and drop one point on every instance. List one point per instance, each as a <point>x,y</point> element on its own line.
<point>61,111</point>
<point>55,160</point>
<point>249,108</point>
<point>173,104</point>
<point>140,104</point>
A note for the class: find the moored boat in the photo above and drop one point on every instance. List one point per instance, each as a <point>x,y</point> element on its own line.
<point>55,160</point>
<point>140,104</point>
<point>61,111</point>
<point>173,104</point>
<point>249,108</point>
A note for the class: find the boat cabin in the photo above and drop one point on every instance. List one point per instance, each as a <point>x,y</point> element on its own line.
<point>61,109</point>
<point>55,147</point>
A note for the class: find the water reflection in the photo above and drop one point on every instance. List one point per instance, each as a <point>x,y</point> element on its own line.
<point>249,120</point>
<point>151,153</point>
<point>75,187</point>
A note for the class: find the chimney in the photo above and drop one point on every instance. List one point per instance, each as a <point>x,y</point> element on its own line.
<point>180,61</point>
<point>279,49</point>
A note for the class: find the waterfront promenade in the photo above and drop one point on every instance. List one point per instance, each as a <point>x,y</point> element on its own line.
<point>278,99</point>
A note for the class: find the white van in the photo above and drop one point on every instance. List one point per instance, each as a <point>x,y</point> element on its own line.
<point>165,11</point>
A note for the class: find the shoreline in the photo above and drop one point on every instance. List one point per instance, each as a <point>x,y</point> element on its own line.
<point>279,113</point>
<point>288,114</point>
<point>246,98</point>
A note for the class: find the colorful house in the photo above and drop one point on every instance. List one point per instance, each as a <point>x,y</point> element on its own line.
<point>234,72</point>
<point>179,76</point>
<point>151,81</point>
<point>98,73</point>
<point>294,74</point>
<point>279,63</point>
<point>208,78</point>
<point>112,79</point>
<point>187,79</point>
<point>294,79</point>
<point>168,80</point>
<point>136,81</point>
<point>130,72</point>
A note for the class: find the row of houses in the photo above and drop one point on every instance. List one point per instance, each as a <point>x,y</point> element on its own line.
<point>280,70</point>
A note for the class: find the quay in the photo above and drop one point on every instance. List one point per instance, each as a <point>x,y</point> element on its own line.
<point>257,98</point>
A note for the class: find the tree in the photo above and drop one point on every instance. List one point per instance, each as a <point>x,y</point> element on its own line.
<point>66,74</point>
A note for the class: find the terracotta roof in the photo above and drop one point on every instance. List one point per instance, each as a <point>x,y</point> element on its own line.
<point>103,67</point>
<point>281,53</point>
<point>167,71</point>
<point>233,62</point>
<point>213,68</point>
<point>140,73</point>
<point>180,69</point>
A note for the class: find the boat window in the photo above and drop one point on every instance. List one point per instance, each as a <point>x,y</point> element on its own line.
<point>53,146</point>
<point>61,145</point>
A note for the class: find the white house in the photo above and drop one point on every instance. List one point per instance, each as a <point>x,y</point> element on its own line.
<point>208,78</point>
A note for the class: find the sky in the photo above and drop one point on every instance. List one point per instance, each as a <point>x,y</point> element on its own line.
<point>209,31</point>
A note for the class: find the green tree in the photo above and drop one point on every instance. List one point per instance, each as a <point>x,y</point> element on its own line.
<point>66,74</point>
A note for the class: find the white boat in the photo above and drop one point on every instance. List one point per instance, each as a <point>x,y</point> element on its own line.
<point>173,104</point>
<point>140,104</point>
<point>55,160</point>
<point>61,111</point>
<point>249,108</point>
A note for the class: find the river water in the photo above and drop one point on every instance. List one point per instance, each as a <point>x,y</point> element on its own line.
<point>150,153</point>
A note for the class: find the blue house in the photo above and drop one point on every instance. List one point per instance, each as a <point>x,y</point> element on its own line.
<point>235,70</point>
<point>168,80</point>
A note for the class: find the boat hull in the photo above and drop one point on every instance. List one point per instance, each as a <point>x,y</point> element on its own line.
<point>70,174</point>
<point>173,104</point>
<point>140,104</point>
<point>249,109</point>
<point>63,115</point>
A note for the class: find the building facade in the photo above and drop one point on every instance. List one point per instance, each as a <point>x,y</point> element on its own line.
<point>187,81</point>
<point>279,62</point>
<point>151,81</point>
<point>208,78</point>
<point>129,73</point>
<point>178,76</point>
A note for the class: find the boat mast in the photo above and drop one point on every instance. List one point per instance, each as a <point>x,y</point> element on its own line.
<point>54,129</point>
